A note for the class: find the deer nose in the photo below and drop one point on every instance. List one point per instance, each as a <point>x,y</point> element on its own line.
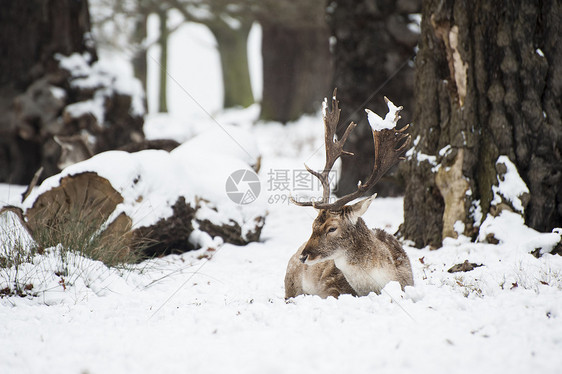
<point>303,258</point>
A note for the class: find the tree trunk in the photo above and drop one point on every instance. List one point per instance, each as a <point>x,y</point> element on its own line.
<point>42,101</point>
<point>31,33</point>
<point>297,69</point>
<point>139,59</point>
<point>488,84</point>
<point>372,53</point>
<point>163,82</point>
<point>232,45</point>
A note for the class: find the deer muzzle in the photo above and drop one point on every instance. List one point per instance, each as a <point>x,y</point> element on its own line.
<point>309,256</point>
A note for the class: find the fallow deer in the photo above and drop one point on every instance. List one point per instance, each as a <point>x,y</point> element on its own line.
<point>344,256</point>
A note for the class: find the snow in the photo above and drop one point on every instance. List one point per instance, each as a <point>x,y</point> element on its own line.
<point>151,181</point>
<point>415,23</point>
<point>389,121</point>
<point>476,211</point>
<point>420,157</point>
<point>510,186</point>
<point>76,63</point>
<point>445,150</point>
<point>206,311</point>
<point>10,194</point>
<point>58,93</point>
<point>215,311</point>
<point>166,126</point>
<point>105,78</point>
<point>502,228</point>
<point>94,106</point>
<point>227,140</point>
<point>12,233</point>
<point>204,315</point>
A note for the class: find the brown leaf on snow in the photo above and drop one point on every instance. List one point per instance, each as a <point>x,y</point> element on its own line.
<point>465,266</point>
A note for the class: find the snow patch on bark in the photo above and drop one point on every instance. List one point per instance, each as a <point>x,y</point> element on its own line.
<point>511,187</point>
<point>102,78</point>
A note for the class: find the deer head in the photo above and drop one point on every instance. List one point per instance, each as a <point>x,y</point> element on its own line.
<point>338,225</point>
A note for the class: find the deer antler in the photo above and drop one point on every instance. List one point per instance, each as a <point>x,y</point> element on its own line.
<point>390,146</point>
<point>334,148</point>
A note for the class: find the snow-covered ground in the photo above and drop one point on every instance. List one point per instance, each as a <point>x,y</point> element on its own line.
<point>224,310</point>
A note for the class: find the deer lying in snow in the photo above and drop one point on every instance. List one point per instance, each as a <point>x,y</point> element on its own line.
<point>344,256</point>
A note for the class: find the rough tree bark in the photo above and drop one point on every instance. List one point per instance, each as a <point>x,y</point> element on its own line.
<point>35,89</point>
<point>373,48</point>
<point>297,65</point>
<point>488,83</point>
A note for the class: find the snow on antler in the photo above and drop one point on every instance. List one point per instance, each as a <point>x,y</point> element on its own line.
<point>389,121</point>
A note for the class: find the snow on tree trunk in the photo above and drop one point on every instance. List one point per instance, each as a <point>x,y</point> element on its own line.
<point>487,125</point>
<point>45,93</point>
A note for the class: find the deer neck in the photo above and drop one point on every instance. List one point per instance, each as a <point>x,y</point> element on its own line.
<point>361,264</point>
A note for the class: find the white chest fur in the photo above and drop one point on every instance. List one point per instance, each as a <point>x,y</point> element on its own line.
<point>310,284</point>
<point>365,280</point>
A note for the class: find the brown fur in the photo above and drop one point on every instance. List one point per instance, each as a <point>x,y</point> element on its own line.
<point>350,260</point>
<point>328,278</point>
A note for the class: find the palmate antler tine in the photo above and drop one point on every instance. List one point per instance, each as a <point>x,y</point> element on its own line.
<point>403,129</point>
<point>390,145</point>
<point>405,145</point>
<point>343,139</point>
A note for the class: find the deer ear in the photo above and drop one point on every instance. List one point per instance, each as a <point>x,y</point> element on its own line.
<point>358,209</point>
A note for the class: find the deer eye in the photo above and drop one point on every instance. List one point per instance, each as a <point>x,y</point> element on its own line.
<point>332,229</point>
